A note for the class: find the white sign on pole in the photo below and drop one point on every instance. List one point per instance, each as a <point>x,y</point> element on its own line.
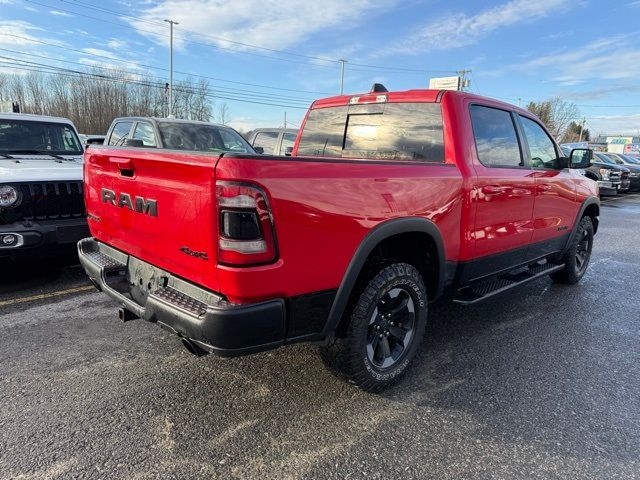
<point>445,83</point>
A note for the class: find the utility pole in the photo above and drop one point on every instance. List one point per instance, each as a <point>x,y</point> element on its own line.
<point>464,83</point>
<point>171,24</point>
<point>342,62</point>
<point>584,120</point>
<point>285,120</point>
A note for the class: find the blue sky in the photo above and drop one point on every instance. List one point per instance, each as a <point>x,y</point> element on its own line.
<point>585,51</point>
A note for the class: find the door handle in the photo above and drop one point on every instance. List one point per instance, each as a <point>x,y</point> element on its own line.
<point>122,163</point>
<point>493,189</point>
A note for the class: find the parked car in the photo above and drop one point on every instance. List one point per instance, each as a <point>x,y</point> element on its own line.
<point>631,164</point>
<point>174,134</point>
<point>91,139</point>
<point>273,141</point>
<point>41,195</point>
<point>608,168</point>
<point>344,244</point>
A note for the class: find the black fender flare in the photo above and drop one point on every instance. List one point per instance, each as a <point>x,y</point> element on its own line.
<point>589,201</point>
<point>381,232</point>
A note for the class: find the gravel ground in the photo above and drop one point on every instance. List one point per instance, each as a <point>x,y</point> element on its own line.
<point>542,382</point>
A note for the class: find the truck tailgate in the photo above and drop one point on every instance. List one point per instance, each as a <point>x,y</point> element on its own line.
<point>156,206</point>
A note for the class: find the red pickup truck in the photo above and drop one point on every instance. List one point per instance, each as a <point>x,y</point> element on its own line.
<point>389,200</point>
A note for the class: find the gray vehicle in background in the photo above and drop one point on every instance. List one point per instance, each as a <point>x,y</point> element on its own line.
<point>273,141</point>
<point>175,134</point>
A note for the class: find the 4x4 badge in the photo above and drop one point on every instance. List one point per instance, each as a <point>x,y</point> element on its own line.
<point>192,253</point>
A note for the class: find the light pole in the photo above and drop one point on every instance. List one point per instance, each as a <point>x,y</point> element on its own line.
<point>171,24</point>
<point>584,120</point>
<point>342,62</point>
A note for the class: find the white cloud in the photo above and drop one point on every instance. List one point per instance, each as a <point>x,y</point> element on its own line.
<point>116,44</point>
<point>597,60</point>
<point>17,32</point>
<point>30,8</point>
<point>60,14</point>
<point>461,29</point>
<point>127,71</point>
<point>615,124</point>
<point>276,25</point>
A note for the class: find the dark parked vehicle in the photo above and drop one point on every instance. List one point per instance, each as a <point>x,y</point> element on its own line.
<point>632,164</point>
<point>602,161</point>
<point>273,141</point>
<point>174,134</point>
<point>606,173</point>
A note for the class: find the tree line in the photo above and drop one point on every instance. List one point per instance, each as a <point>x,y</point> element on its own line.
<point>93,99</point>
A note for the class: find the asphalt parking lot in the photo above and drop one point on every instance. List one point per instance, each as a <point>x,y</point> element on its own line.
<point>543,382</point>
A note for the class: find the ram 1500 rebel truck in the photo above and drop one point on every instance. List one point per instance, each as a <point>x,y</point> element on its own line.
<point>389,200</point>
<point>42,210</point>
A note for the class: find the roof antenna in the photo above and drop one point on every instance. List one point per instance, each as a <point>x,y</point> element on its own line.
<point>378,88</point>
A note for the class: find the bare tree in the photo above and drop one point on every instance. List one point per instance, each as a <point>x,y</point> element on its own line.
<point>93,99</point>
<point>223,114</point>
<point>555,113</point>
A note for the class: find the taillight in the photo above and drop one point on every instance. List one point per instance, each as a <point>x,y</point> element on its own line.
<point>246,232</point>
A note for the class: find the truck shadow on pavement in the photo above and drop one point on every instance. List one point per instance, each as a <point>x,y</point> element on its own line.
<point>23,277</point>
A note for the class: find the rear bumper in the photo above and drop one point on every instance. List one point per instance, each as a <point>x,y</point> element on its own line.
<point>41,239</point>
<point>201,316</point>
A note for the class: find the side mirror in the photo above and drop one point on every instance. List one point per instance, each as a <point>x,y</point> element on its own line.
<point>259,150</point>
<point>580,158</point>
<point>288,151</point>
<point>133,142</point>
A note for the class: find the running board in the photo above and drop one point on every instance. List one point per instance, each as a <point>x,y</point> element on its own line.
<point>488,288</point>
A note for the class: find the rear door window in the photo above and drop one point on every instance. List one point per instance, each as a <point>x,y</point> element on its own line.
<point>387,131</point>
<point>496,139</point>
<point>267,140</point>
<point>120,133</point>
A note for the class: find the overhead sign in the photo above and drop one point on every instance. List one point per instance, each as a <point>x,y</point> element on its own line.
<point>619,140</point>
<point>445,83</point>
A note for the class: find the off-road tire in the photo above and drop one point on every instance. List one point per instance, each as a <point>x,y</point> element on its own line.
<point>574,268</point>
<point>347,355</point>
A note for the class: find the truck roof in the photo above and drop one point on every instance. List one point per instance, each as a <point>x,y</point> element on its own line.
<point>414,95</point>
<point>34,118</point>
<point>167,120</point>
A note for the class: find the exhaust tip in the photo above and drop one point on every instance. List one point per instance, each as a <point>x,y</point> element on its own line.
<point>193,348</point>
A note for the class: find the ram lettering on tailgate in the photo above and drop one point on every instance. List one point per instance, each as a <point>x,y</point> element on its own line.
<point>146,206</point>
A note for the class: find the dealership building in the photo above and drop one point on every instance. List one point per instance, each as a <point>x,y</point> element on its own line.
<point>620,143</point>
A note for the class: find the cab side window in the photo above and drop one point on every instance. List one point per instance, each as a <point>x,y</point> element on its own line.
<point>268,141</point>
<point>120,133</point>
<point>144,131</point>
<point>543,151</point>
<point>496,139</point>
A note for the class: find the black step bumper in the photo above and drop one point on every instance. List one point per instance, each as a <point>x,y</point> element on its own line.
<point>201,316</point>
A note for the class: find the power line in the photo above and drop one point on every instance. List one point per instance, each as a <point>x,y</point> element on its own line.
<point>333,62</point>
<point>43,68</point>
<point>137,64</point>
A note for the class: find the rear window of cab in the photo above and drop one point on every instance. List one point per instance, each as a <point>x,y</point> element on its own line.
<point>380,131</point>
